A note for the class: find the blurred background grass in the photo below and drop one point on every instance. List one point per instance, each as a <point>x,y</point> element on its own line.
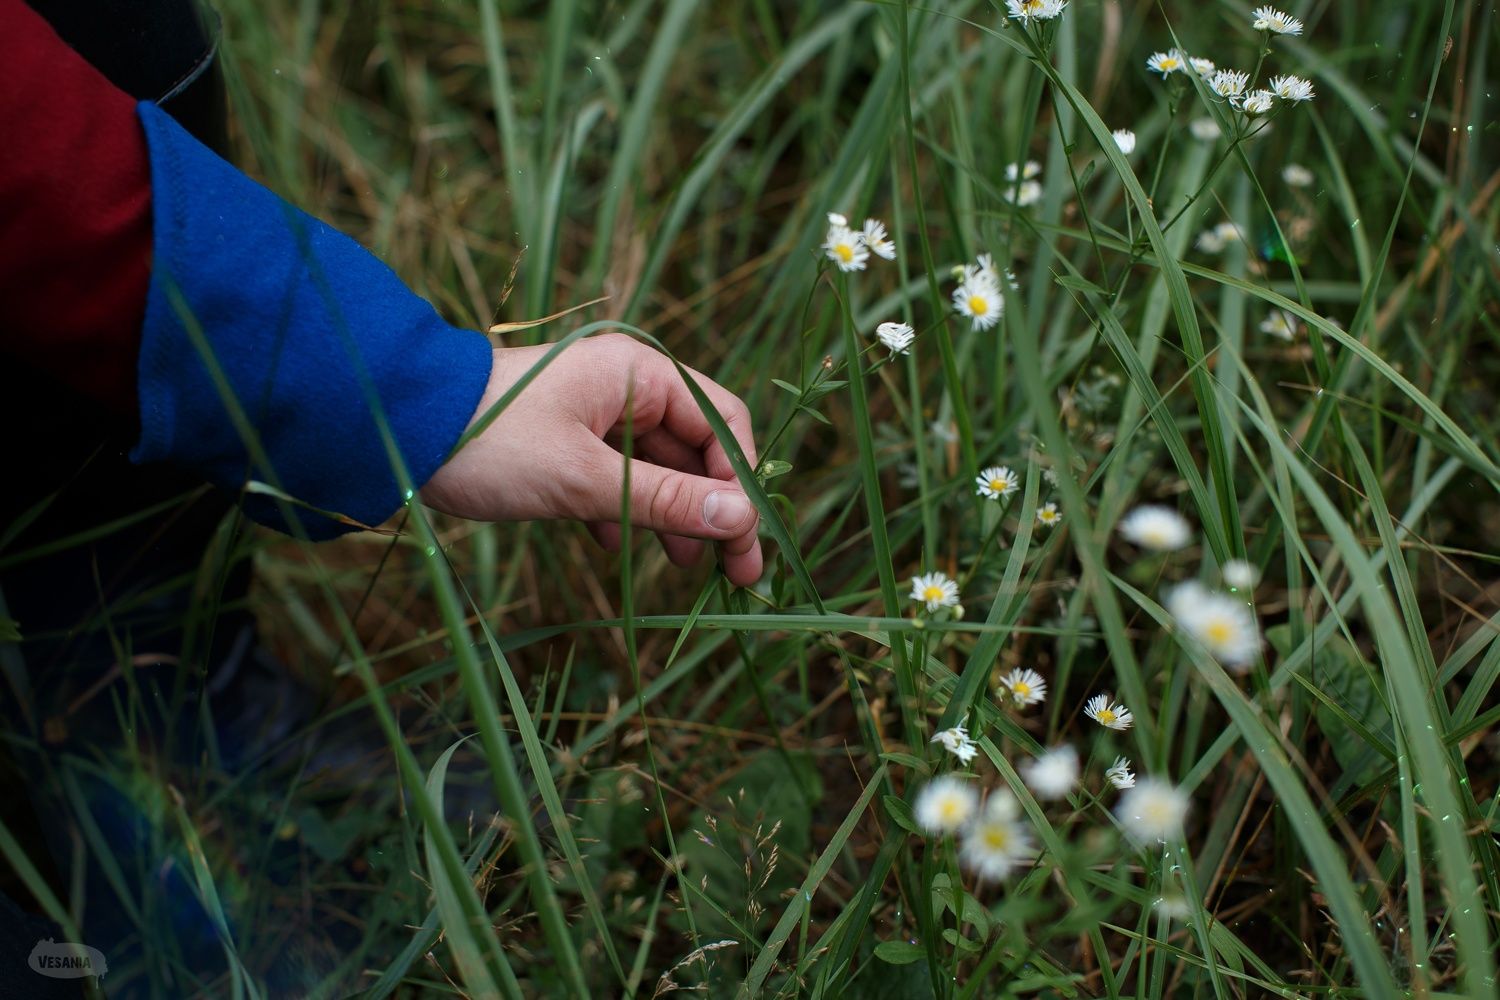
<point>511,160</point>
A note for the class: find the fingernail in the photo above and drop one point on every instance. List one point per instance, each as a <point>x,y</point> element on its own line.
<point>725,510</point>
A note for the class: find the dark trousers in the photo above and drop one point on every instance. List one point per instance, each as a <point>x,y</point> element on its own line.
<point>98,611</point>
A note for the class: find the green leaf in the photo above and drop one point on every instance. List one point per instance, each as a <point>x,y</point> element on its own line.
<point>899,952</point>
<point>900,814</point>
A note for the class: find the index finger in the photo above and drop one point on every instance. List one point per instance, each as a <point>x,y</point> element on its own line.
<point>685,420</point>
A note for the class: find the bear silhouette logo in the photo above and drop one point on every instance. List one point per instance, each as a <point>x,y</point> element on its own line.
<point>66,960</point>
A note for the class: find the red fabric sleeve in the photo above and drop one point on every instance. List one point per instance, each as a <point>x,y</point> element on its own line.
<point>75,214</point>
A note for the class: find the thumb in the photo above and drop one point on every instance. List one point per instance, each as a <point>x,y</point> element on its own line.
<point>676,503</point>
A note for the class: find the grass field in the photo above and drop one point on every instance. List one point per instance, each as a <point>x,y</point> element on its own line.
<point>603,776</point>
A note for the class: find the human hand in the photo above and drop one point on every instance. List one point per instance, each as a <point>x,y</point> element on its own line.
<point>551,453</point>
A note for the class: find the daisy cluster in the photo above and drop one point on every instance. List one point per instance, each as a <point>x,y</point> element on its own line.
<point>1222,624</point>
<point>993,836</point>
<point>850,248</point>
<point>1027,11</point>
<point>1235,86</point>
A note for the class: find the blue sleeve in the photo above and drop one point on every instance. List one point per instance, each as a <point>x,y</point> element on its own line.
<point>307,331</point>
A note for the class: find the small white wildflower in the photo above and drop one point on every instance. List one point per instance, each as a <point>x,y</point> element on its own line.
<point>1026,686</point>
<point>1205,129</point>
<point>1241,575</point>
<point>1166,63</point>
<point>979,299</point>
<point>1125,139</point>
<point>934,590</point>
<point>1174,906</point>
<point>1270,19</point>
<point>1229,84</point>
<point>1296,175</point>
<point>1223,624</point>
<point>876,239</point>
<point>1024,193</point>
<point>945,804</point>
<point>1153,810</point>
<point>896,337</point>
<point>997,840</point>
<point>1292,88</point>
<point>1152,526</point>
<point>1049,516</point>
<point>835,219</point>
<point>1280,324</point>
<point>1258,102</point>
<point>846,248</point>
<point>1203,67</point>
<point>943,430</point>
<point>1023,171</point>
<point>1209,241</point>
<point>957,742</point>
<point>1027,11</point>
<point>1052,775</point>
<point>997,482</point>
<point>1109,716</point>
<point>1119,774</point>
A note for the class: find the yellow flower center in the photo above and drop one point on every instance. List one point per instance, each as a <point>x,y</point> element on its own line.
<point>845,252</point>
<point>1021,689</point>
<point>1105,716</point>
<point>999,485</point>
<point>1049,515</point>
<point>950,811</point>
<point>996,838</point>
<point>1219,632</point>
<point>1170,64</point>
<point>932,594</point>
<point>978,305</point>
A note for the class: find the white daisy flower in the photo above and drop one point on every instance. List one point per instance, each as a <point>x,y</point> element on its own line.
<point>1223,624</point>
<point>1026,686</point>
<point>1049,516</point>
<point>1052,775</point>
<point>1027,11</point>
<point>945,804</point>
<point>957,742</point>
<point>1292,88</point>
<point>1270,19</point>
<point>980,301</point>
<point>1203,67</point>
<point>896,337</point>
<point>1241,575</point>
<point>1019,171</point>
<point>1153,810</point>
<point>1119,774</point>
<point>1229,83</point>
<point>1023,193</point>
<point>1109,716</point>
<point>1125,139</point>
<point>1166,63</point>
<point>934,590</point>
<point>1258,102</point>
<point>876,239</point>
<point>1152,526</point>
<point>997,840</point>
<point>1174,907</point>
<point>846,247</point>
<point>1280,324</point>
<point>1205,129</point>
<point>1296,175</point>
<point>1209,241</point>
<point>997,482</point>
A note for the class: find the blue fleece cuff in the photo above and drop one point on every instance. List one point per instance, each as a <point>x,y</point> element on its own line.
<point>306,328</point>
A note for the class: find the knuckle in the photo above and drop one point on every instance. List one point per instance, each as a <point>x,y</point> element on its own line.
<point>671,502</point>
